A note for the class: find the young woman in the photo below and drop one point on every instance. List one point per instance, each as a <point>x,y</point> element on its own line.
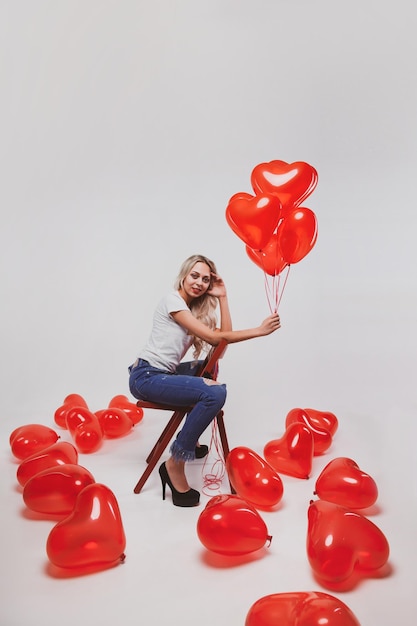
<point>184,318</point>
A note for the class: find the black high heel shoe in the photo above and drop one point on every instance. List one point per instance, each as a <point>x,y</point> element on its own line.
<point>201,451</point>
<point>186,498</point>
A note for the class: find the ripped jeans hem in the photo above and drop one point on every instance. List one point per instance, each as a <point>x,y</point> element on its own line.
<point>179,454</point>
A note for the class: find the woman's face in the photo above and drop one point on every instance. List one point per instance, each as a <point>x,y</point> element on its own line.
<point>196,282</point>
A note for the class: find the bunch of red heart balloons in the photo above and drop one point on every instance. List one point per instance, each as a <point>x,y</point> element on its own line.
<point>90,533</point>
<point>342,544</point>
<point>276,229</point>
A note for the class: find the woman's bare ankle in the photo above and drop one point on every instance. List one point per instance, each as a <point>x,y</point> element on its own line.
<point>176,471</point>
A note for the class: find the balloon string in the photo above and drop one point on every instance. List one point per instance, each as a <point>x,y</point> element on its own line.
<point>274,291</point>
<point>283,286</point>
<point>272,288</point>
<point>213,479</point>
<point>269,292</point>
<point>277,280</point>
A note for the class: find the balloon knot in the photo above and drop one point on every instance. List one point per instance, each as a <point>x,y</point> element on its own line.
<point>269,539</point>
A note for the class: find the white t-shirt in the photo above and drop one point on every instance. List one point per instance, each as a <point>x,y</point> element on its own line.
<point>168,341</point>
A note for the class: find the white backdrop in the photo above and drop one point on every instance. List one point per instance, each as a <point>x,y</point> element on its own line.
<point>126,127</point>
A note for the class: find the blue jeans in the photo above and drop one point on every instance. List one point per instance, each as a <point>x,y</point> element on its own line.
<point>180,389</point>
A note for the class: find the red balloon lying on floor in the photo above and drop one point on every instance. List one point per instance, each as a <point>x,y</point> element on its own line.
<point>122,402</point>
<point>92,535</point>
<point>341,542</point>
<point>322,438</point>
<point>343,482</point>
<point>292,454</point>
<point>302,608</point>
<point>59,453</point>
<point>72,400</point>
<point>54,491</point>
<point>253,478</point>
<point>30,438</point>
<point>323,419</point>
<point>85,429</point>
<point>114,422</point>
<point>231,526</point>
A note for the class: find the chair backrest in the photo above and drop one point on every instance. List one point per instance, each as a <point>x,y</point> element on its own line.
<point>209,366</point>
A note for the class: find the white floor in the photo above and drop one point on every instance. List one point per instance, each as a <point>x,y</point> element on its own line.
<point>168,575</point>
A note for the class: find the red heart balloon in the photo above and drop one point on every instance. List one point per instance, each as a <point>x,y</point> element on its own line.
<point>292,454</point>
<point>291,182</point>
<point>85,429</point>
<point>323,419</point>
<point>241,195</point>
<point>253,478</point>
<point>73,399</point>
<point>341,542</point>
<point>269,259</point>
<point>253,219</point>
<point>301,608</point>
<point>322,438</point>
<point>122,402</point>
<point>231,526</point>
<point>297,234</point>
<point>343,482</point>
<point>59,453</point>
<point>92,535</point>
<point>30,438</point>
<point>55,490</point>
<point>114,422</point>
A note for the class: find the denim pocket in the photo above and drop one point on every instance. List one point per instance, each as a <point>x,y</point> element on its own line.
<point>139,377</point>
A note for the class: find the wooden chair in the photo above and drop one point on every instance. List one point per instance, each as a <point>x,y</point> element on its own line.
<point>209,369</point>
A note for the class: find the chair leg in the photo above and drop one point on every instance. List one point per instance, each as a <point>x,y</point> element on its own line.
<point>164,432</point>
<point>159,448</point>
<point>142,480</point>
<point>222,433</point>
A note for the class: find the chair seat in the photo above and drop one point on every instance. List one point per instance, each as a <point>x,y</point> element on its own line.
<point>163,407</point>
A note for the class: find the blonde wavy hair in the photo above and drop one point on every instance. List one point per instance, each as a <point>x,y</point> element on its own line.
<point>204,307</point>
